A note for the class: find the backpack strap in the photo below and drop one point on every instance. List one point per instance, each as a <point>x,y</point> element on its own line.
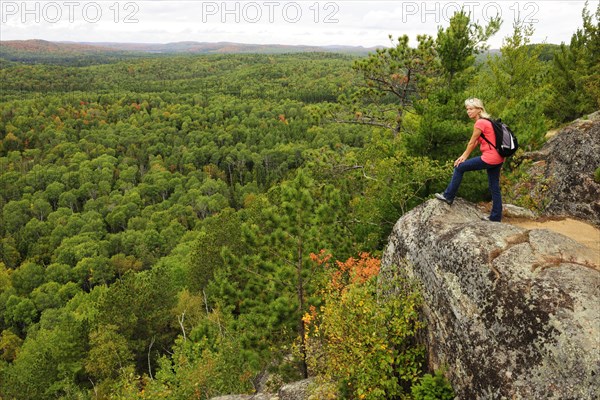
<point>486,139</point>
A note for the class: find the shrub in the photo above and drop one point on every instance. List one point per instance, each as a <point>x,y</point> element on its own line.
<point>434,387</point>
<point>361,338</point>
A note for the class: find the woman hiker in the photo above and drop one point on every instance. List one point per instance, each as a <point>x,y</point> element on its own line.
<point>489,160</point>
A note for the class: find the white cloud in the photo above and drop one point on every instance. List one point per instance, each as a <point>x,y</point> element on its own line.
<point>312,22</point>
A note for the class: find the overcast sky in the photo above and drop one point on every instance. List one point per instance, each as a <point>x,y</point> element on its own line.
<point>312,22</point>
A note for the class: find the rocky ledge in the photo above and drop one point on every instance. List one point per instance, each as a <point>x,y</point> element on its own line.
<point>511,313</point>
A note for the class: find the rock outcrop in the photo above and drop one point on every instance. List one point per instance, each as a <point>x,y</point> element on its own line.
<point>258,396</point>
<point>292,391</point>
<point>563,171</point>
<point>512,313</point>
<point>296,390</point>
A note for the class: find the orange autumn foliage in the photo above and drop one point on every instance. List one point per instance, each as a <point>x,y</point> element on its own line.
<point>352,271</point>
<point>359,338</point>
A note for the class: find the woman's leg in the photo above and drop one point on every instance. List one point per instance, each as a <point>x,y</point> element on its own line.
<point>472,164</point>
<point>494,185</point>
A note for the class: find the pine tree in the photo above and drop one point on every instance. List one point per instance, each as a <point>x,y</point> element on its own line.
<point>274,282</point>
<point>391,79</point>
<point>575,73</point>
<point>442,129</point>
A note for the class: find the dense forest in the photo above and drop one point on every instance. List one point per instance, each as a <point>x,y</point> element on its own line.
<point>177,226</point>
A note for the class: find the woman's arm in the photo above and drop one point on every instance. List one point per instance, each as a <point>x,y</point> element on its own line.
<point>470,147</point>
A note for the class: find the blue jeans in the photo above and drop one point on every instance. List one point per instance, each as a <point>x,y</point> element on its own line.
<point>493,172</point>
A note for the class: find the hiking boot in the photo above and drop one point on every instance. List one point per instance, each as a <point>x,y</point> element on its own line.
<point>488,219</point>
<point>440,196</point>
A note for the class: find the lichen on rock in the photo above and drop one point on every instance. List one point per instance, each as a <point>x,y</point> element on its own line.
<point>564,170</point>
<point>511,313</point>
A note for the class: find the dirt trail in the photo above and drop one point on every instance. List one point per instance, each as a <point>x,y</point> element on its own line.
<point>582,232</point>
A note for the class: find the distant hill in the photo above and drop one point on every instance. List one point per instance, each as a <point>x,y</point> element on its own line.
<point>44,46</point>
<point>226,47</point>
<point>84,53</point>
<point>42,51</point>
<point>36,50</point>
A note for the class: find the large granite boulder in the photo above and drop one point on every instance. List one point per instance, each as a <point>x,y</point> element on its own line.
<point>511,313</point>
<point>258,396</point>
<point>297,390</point>
<point>563,171</point>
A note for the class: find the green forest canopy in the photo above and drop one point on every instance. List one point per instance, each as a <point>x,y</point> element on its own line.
<point>158,213</point>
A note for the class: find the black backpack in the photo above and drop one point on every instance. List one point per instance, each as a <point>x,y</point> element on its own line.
<point>506,141</point>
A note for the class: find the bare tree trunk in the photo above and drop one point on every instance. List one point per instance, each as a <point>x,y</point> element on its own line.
<point>205,302</point>
<point>180,320</point>
<point>149,365</point>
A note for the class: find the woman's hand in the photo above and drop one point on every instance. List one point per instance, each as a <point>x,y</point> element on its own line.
<point>470,147</point>
<point>459,160</point>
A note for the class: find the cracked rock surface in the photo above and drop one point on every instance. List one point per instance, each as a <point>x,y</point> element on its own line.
<point>567,162</point>
<point>511,313</point>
